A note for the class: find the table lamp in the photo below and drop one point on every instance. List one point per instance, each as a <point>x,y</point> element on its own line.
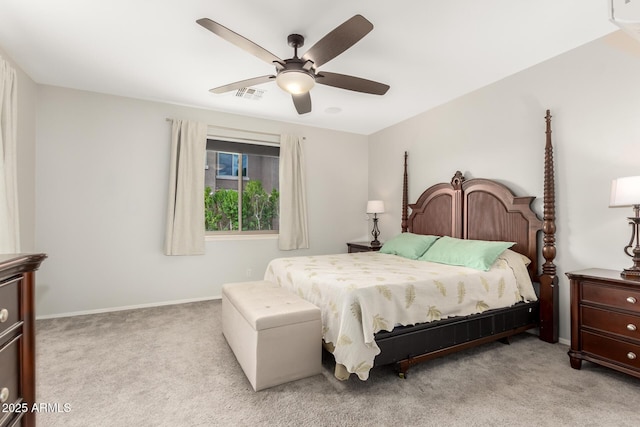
<point>626,192</point>
<point>375,207</point>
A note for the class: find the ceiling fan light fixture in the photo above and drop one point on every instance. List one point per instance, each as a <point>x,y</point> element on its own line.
<point>296,82</point>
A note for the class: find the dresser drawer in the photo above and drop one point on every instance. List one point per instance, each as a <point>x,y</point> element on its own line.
<point>10,369</point>
<point>9,303</point>
<point>627,325</point>
<point>627,299</point>
<point>617,351</point>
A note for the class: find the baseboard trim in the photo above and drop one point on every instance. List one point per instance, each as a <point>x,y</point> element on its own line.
<point>122,308</point>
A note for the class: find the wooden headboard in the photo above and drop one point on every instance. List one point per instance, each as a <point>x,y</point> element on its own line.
<point>483,209</point>
<point>478,209</point>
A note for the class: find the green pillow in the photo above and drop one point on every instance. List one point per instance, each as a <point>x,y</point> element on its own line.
<point>408,245</point>
<point>478,254</point>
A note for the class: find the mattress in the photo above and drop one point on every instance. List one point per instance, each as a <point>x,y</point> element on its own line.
<point>360,294</point>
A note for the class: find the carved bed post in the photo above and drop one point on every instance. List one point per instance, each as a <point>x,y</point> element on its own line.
<point>548,278</point>
<point>404,196</point>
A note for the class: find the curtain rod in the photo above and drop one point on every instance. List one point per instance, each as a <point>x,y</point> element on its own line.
<point>238,130</point>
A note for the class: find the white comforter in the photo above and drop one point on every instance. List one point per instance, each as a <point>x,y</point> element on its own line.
<point>363,293</point>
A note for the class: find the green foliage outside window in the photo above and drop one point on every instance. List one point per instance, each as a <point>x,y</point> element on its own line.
<point>259,208</point>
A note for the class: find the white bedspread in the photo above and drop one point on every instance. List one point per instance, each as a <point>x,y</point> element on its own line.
<point>363,293</point>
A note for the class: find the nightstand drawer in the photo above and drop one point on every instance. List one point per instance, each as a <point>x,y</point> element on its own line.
<point>626,299</point>
<point>9,303</point>
<point>626,325</point>
<point>617,351</point>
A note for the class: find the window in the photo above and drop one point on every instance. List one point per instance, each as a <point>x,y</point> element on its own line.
<point>227,165</point>
<point>244,202</point>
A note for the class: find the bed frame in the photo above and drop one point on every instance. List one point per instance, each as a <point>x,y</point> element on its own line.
<point>485,210</point>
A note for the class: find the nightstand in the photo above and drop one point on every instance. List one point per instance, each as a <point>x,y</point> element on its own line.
<point>605,318</point>
<point>362,247</point>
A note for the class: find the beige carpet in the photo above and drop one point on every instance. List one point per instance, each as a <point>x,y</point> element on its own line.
<point>170,366</point>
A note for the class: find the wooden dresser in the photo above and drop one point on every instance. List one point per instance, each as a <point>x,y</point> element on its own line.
<point>605,320</point>
<point>17,338</point>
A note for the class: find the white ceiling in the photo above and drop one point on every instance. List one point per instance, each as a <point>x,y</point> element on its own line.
<point>428,51</point>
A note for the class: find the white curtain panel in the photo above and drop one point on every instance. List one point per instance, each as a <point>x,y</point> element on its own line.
<point>294,232</point>
<point>9,217</point>
<point>185,209</point>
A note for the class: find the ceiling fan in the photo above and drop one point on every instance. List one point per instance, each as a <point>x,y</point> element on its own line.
<point>298,75</point>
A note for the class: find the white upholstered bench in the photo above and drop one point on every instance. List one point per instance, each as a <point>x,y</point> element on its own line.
<point>275,335</point>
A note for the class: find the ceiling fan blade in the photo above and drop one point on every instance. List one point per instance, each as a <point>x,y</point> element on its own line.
<point>337,41</point>
<point>238,40</point>
<point>302,102</point>
<point>356,84</point>
<point>242,83</point>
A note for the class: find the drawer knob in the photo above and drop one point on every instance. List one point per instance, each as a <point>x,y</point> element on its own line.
<point>4,395</point>
<point>631,355</point>
<point>631,327</point>
<point>4,315</point>
<point>631,300</point>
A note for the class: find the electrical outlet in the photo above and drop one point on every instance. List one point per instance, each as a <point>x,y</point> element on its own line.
<point>249,272</point>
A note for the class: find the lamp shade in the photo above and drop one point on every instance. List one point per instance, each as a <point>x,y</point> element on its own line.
<point>375,206</point>
<point>625,191</point>
<point>626,15</point>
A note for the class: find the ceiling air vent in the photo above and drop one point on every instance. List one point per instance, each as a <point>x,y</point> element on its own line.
<point>626,15</point>
<point>250,93</point>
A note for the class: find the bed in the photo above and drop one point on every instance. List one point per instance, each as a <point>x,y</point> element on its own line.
<point>381,308</point>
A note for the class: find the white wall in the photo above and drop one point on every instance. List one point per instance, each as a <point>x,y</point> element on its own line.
<point>102,182</point>
<point>26,149</point>
<point>497,132</point>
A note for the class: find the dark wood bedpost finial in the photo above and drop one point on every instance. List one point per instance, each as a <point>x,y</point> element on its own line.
<point>549,280</point>
<point>405,197</point>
